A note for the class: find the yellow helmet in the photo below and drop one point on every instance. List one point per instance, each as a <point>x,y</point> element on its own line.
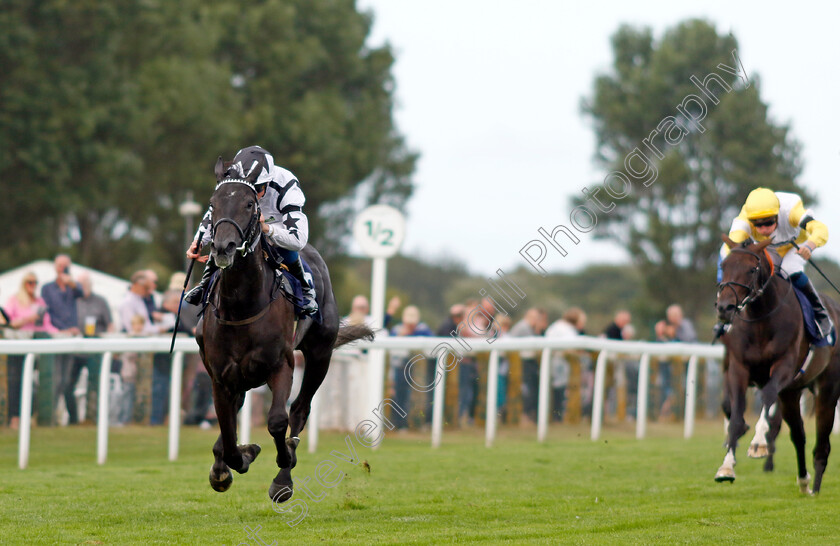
<point>761,203</point>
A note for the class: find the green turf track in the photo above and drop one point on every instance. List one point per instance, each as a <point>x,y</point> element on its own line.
<point>569,490</point>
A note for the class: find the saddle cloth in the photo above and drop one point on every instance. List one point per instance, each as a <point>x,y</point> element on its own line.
<point>811,322</point>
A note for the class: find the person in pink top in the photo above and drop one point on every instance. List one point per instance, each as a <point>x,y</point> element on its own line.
<point>27,312</point>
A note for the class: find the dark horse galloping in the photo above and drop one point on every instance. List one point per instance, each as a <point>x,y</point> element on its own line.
<point>767,346</point>
<point>248,336</point>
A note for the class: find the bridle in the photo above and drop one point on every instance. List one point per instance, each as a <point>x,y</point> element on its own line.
<point>753,291</point>
<point>248,236</point>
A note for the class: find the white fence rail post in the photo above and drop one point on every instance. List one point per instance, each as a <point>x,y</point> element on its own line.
<point>437,402</point>
<point>313,423</point>
<point>26,411</point>
<point>175,404</point>
<point>690,397</point>
<point>642,396</point>
<point>598,394</point>
<point>103,415</point>
<point>542,400</point>
<point>492,398</point>
<point>245,420</point>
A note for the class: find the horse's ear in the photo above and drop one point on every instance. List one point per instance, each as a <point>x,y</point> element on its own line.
<point>763,244</point>
<point>729,242</point>
<point>254,173</point>
<point>220,169</point>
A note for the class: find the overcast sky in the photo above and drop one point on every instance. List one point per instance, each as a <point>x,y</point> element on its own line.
<point>489,94</point>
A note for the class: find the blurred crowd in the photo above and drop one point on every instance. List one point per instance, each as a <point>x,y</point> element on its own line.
<point>485,320</point>
<point>68,305</point>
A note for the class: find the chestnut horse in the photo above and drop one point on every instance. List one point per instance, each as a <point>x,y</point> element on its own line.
<point>767,346</point>
<point>247,336</point>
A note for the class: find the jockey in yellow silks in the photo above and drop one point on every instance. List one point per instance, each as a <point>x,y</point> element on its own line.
<point>781,216</point>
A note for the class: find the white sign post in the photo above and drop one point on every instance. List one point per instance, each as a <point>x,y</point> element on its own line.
<point>379,230</point>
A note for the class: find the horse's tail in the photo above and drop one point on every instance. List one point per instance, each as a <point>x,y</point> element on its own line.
<point>348,333</point>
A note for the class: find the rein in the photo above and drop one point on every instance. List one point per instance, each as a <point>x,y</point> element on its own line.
<point>754,293</point>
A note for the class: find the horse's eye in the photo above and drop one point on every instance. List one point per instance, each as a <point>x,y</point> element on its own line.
<point>250,205</point>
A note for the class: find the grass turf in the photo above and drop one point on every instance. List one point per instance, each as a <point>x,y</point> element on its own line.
<point>568,490</point>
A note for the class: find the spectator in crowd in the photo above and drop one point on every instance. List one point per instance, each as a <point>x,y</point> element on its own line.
<point>162,362</point>
<point>136,320</point>
<point>201,411</point>
<point>94,317</point>
<point>149,299</point>
<point>674,328</point>
<point>4,319</point>
<point>613,330</point>
<point>504,324</point>
<point>134,304</point>
<point>28,312</point>
<point>128,371</point>
<point>568,326</point>
<point>410,326</point>
<point>477,324</point>
<point>533,323</point>
<point>446,329</point>
<point>360,312</point>
<point>60,296</point>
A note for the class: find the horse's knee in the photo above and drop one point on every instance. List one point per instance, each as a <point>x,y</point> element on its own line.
<point>277,424</point>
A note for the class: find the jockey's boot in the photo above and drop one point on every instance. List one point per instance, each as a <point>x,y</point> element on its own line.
<point>196,295</point>
<point>824,322</point>
<point>310,305</point>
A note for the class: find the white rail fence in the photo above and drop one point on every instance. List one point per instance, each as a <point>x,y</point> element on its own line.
<point>607,349</point>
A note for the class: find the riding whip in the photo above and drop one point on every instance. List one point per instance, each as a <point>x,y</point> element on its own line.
<point>197,237</point>
<point>818,269</point>
<point>180,303</point>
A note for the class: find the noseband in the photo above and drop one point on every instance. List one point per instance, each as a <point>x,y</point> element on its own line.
<point>249,234</point>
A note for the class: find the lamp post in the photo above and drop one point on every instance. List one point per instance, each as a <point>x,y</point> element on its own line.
<point>188,209</point>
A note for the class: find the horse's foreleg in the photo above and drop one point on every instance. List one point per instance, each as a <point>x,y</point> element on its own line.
<point>793,417</point>
<point>280,384</point>
<point>759,445</point>
<point>736,382</point>
<point>227,454</point>
<point>224,450</point>
<point>773,434</point>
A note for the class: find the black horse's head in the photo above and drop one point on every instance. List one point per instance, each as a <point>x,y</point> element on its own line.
<point>746,272</point>
<point>235,216</point>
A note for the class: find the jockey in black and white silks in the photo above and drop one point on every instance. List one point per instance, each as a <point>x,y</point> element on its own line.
<point>282,221</point>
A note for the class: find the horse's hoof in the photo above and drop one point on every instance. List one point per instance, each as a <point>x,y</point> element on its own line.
<point>803,484</point>
<point>250,451</point>
<point>221,484</point>
<point>757,451</point>
<point>725,475</point>
<point>280,493</point>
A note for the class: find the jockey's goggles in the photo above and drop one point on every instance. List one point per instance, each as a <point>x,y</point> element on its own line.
<point>764,222</point>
